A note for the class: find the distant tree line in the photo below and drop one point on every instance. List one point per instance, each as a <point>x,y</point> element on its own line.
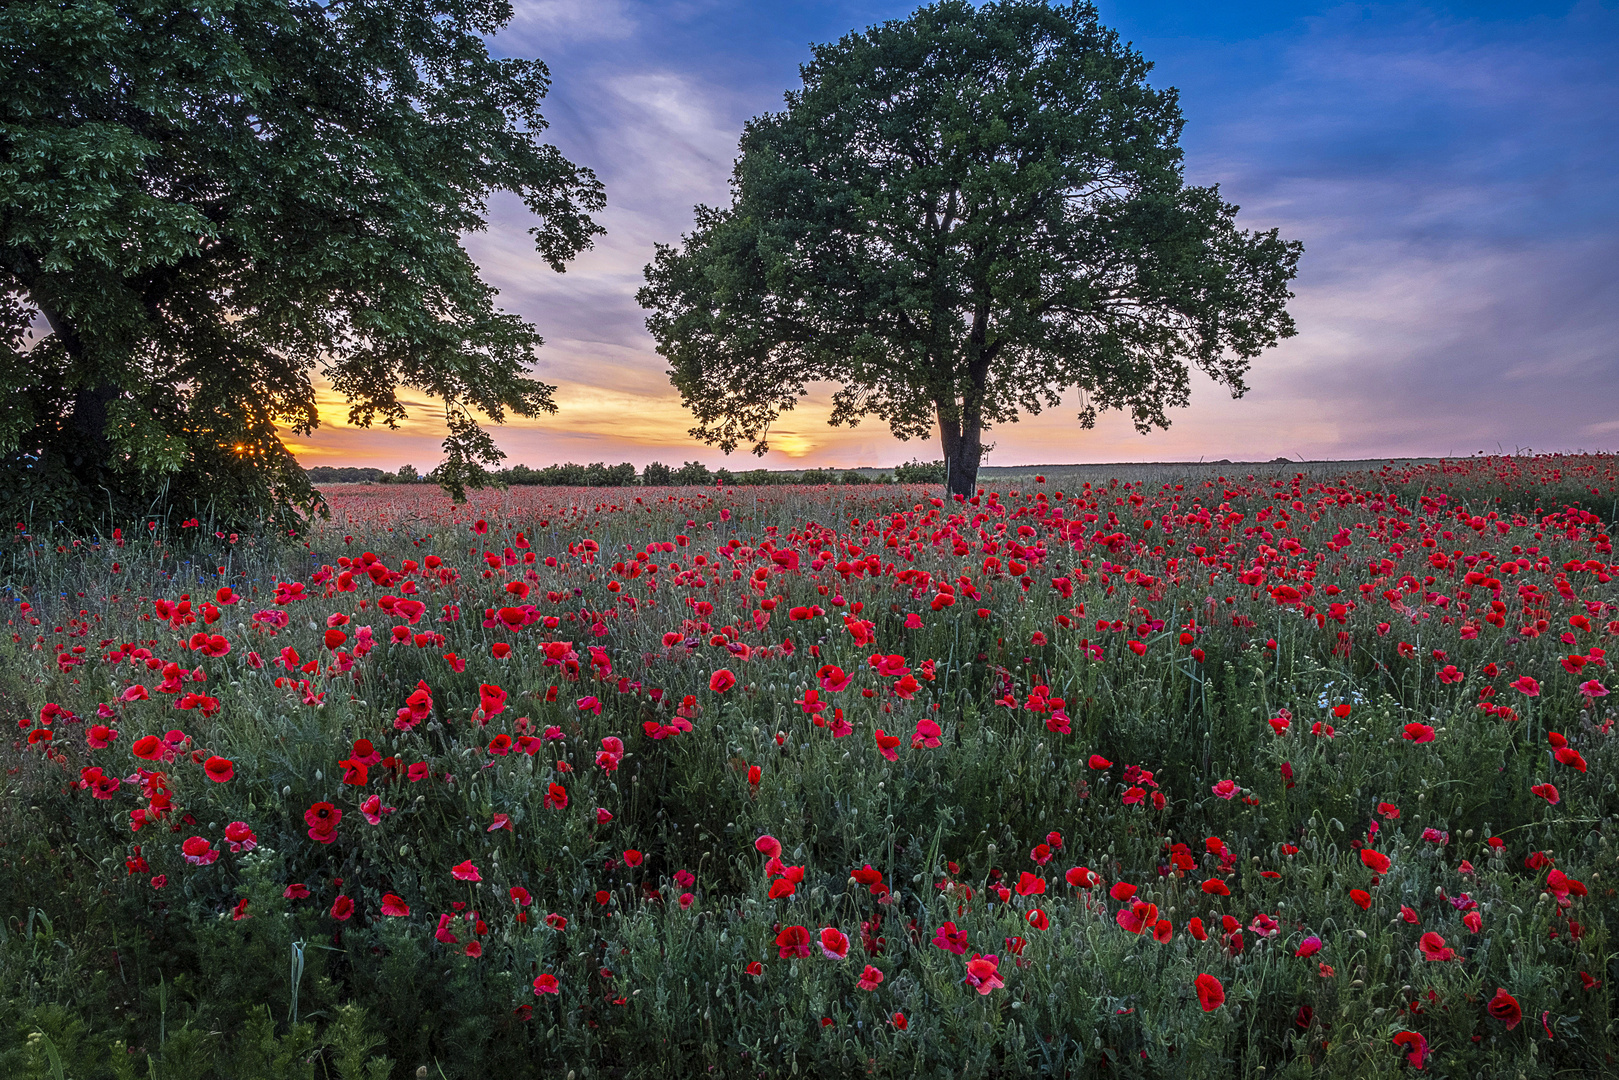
<point>656,474</point>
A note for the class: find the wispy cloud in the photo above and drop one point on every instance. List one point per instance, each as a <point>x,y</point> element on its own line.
<point>550,23</point>
<point>1452,169</point>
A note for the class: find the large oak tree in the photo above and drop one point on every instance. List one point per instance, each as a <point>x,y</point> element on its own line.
<point>204,203</point>
<point>960,217</point>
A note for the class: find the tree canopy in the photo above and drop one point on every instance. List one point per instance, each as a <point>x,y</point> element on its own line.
<point>203,204</point>
<point>958,218</point>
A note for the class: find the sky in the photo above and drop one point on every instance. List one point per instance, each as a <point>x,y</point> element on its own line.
<point>1452,169</point>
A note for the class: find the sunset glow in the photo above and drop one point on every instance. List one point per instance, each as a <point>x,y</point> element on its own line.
<point>1451,170</point>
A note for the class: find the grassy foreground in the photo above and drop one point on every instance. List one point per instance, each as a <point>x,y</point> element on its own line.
<point>1227,775</point>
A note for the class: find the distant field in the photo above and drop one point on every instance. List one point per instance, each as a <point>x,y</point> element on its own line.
<point>1184,471</point>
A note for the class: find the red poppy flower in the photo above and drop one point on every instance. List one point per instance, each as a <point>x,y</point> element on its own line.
<point>219,769</point>
<point>869,978</point>
<point>1163,932</point>
<point>793,943</point>
<point>768,846</point>
<point>198,851</point>
<point>1137,917</point>
<point>296,891</point>
<point>721,681</point>
<point>342,908</point>
<point>1030,885</point>
<point>322,819</point>
<point>1081,877</point>
<point>1216,887</point>
<point>1563,886</point>
<point>832,678</point>
<point>1225,789</point>
<point>556,797</point>
<point>546,984</point>
<point>1418,1045</point>
<point>1547,792</point>
<point>1099,762</point>
<point>1038,919</point>
<point>465,871</point>
<point>633,857</point>
<point>1210,993</point>
<point>1308,947</point>
<point>1526,685</point>
<point>983,974</point>
<point>1376,860</point>
<point>1195,928</point>
<point>950,939</point>
<point>1434,948</point>
<point>834,943</point>
<point>887,744</point>
<point>1504,1007</point>
<point>148,748</point>
<point>1567,755</point>
<point>355,772</point>
<point>1362,898</point>
<point>394,906</point>
<point>1418,733</point>
<point>491,699</point>
<point>755,968</point>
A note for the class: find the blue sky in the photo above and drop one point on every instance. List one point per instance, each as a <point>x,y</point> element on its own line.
<point>1453,171</point>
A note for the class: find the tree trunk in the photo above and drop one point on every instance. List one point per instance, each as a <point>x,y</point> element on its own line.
<point>961,425</point>
<point>91,447</point>
<point>963,448</point>
<point>88,446</point>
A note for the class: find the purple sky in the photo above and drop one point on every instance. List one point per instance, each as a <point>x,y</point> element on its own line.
<point>1453,171</point>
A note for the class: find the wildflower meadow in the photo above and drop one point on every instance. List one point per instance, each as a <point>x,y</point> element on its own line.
<point>1246,772</point>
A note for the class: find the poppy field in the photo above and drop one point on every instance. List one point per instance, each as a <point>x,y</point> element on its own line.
<point>1252,773</point>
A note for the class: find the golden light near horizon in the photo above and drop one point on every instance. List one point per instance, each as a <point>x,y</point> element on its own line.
<point>792,444</point>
